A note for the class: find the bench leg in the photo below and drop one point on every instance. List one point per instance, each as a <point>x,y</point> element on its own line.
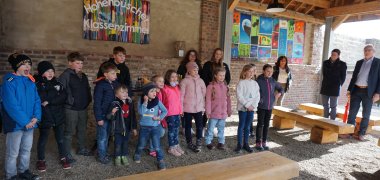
<point>281,123</point>
<point>323,136</point>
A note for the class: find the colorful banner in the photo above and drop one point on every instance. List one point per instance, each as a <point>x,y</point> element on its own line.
<point>299,27</point>
<point>275,40</point>
<point>290,29</point>
<point>265,40</point>
<point>117,20</point>
<point>235,51</point>
<point>235,33</point>
<point>244,50</point>
<point>253,51</point>
<point>289,46</point>
<point>266,25</point>
<point>264,53</point>
<point>297,51</point>
<point>276,25</point>
<point>282,42</point>
<point>298,38</point>
<point>245,29</point>
<point>255,26</point>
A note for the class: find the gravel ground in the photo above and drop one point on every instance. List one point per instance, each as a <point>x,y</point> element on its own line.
<point>347,159</point>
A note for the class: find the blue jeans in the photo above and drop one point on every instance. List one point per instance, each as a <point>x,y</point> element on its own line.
<point>146,133</point>
<point>188,123</point>
<point>327,106</point>
<point>245,121</point>
<point>360,96</point>
<point>220,124</point>
<point>173,125</point>
<point>18,145</point>
<point>121,143</point>
<point>102,133</point>
<point>162,133</point>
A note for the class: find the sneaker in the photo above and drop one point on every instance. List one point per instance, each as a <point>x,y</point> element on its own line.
<point>124,160</point>
<point>199,143</point>
<point>238,149</point>
<point>65,164</point>
<point>247,148</point>
<point>359,137</point>
<point>118,161</point>
<point>70,159</point>
<point>41,165</point>
<point>174,152</point>
<point>221,146</point>
<point>13,178</point>
<point>258,146</point>
<point>264,145</point>
<point>153,153</point>
<point>137,159</point>
<point>161,165</point>
<point>104,160</point>
<point>179,149</point>
<point>28,175</point>
<point>193,148</point>
<point>210,146</point>
<point>84,152</point>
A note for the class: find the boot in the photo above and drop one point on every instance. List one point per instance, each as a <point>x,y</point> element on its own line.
<point>247,148</point>
<point>264,145</point>
<point>259,146</point>
<point>238,148</point>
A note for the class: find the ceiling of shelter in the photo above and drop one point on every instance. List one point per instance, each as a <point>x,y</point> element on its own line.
<point>316,11</point>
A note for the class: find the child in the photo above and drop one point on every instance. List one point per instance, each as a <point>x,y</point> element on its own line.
<point>171,98</point>
<point>122,116</point>
<point>158,80</point>
<point>149,107</point>
<point>264,111</point>
<point>193,91</point>
<point>218,107</point>
<point>53,98</point>
<point>104,95</point>
<point>21,113</point>
<point>248,97</point>
<point>78,91</point>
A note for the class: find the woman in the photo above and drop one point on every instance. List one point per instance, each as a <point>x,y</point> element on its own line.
<point>191,56</point>
<point>282,74</point>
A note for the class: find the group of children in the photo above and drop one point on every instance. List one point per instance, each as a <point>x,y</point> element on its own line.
<point>61,103</point>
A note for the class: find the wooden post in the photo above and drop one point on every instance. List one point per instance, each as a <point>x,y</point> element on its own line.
<point>322,136</point>
<point>282,123</point>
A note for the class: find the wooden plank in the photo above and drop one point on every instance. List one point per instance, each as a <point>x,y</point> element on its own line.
<point>362,8</point>
<point>282,123</point>
<point>299,7</point>
<point>287,5</point>
<point>322,136</point>
<point>232,5</point>
<point>318,3</point>
<point>263,165</point>
<point>338,21</point>
<point>309,10</point>
<point>286,14</point>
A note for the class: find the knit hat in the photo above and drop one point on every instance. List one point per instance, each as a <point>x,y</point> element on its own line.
<point>191,66</point>
<point>147,87</point>
<point>44,66</point>
<point>16,60</point>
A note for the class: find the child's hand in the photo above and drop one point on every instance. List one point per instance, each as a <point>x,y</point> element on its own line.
<point>146,99</point>
<point>278,95</point>
<point>251,108</point>
<point>45,103</point>
<point>114,110</point>
<point>134,132</point>
<point>157,118</point>
<point>31,123</point>
<point>101,123</point>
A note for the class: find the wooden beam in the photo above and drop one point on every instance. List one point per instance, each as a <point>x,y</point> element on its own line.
<point>299,7</point>
<point>286,14</point>
<point>318,3</point>
<point>365,17</point>
<point>309,10</point>
<point>287,5</point>
<point>338,21</point>
<point>363,8</point>
<point>232,5</point>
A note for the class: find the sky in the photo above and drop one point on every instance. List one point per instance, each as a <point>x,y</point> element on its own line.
<point>363,29</point>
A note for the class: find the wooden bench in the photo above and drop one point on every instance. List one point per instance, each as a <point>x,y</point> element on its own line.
<point>323,130</point>
<point>263,165</point>
<point>318,110</point>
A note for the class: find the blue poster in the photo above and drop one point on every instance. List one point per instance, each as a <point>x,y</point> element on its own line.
<point>297,51</point>
<point>253,51</point>
<point>264,52</point>
<point>234,51</point>
<point>245,29</point>
<point>282,42</point>
<point>266,25</point>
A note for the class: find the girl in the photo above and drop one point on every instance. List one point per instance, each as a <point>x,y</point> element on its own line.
<point>264,111</point>
<point>148,108</point>
<point>218,107</point>
<point>191,56</point>
<point>171,98</point>
<point>193,91</point>
<point>248,97</point>
<point>122,116</point>
<point>282,74</point>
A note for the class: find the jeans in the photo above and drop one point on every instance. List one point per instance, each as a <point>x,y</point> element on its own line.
<point>18,145</point>
<point>245,121</point>
<point>220,124</point>
<point>121,143</point>
<point>327,107</point>
<point>360,96</point>
<point>173,129</point>
<point>76,121</point>
<point>43,138</point>
<point>162,134</point>
<point>102,134</point>
<point>263,118</point>
<point>146,133</point>
<point>198,123</point>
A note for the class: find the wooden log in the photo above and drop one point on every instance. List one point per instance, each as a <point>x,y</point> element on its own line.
<point>282,123</point>
<point>322,136</point>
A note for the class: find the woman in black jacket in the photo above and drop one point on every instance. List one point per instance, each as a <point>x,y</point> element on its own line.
<point>191,56</point>
<point>283,75</point>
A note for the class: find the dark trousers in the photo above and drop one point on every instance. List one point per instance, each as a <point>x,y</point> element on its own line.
<point>188,124</point>
<point>121,143</point>
<point>76,122</point>
<point>263,118</point>
<point>43,138</point>
<point>360,96</point>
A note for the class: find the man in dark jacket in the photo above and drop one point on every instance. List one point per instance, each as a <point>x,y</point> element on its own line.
<point>334,74</point>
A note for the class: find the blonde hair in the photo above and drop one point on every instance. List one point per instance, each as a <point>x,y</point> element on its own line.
<point>245,69</point>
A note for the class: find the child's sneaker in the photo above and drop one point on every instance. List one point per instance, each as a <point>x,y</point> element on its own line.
<point>161,165</point>
<point>179,149</point>
<point>137,159</point>
<point>221,146</point>
<point>259,147</point>
<point>124,160</point>
<point>84,152</point>
<point>210,146</point>
<point>153,153</point>
<point>41,165</point>
<point>174,152</point>
<point>104,160</point>
<point>118,161</point>
<point>192,147</point>
<point>65,164</point>
<point>247,148</point>
<point>28,175</point>
<point>265,147</point>
<point>70,159</point>
<point>238,149</point>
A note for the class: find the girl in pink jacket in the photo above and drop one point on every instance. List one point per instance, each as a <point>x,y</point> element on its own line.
<point>218,107</point>
<point>171,98</point>
<point>193,91</point>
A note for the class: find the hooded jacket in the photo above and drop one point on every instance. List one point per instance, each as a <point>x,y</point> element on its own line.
<point>193,92</point>
<point>104,95</point>
<point>119,123</point>
<point>123,77</point>
<point>218,101</point>
<point>267,87</point>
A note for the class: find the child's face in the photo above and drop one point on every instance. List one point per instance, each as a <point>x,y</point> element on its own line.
<point>193,72</point>
<point>159,83</point>
<point>220,76</point>
<point>111,75</point>
<point>49,74</point>
<point>76,65</point>
<point>24,70</point>
<point>218,55</point>
<point>152,93</point>
<point>268,72</point>
<point>119,58</point>
<point>173,77</point>
<point>122,94</point>
<point>250,73</point>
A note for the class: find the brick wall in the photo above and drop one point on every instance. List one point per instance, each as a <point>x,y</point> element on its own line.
<point>209,28</point>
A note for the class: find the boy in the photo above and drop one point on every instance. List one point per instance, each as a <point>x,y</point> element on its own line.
<point>78,98</point>
<point>21,113</point>
<point>103,97</point>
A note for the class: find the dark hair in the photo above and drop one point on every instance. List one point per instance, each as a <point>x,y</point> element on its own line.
<point>266,66</point>
<point>216,71</point>
<point>279,61</point>
<point>121,87</point>
<point>337,51</point>
<point>168,74</point>
<point>75,56</point>
<point>107,67</point>
<point>185,60</point>
<point>119,49</point>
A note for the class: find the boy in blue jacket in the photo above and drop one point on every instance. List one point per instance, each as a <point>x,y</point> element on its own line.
<point>21,113</point>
